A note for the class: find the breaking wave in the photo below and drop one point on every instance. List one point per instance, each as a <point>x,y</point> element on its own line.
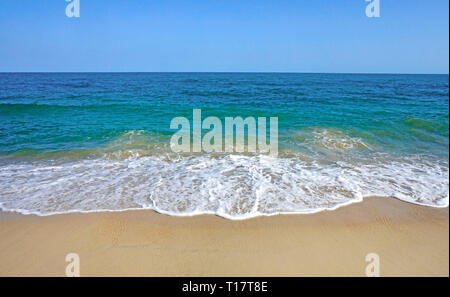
<point>231,186</point>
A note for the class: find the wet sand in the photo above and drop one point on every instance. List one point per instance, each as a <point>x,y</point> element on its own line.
<point>410,240</point>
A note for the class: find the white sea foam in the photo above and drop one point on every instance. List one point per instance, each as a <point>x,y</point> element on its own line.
<point>335,139</point>
<point>231,186</point>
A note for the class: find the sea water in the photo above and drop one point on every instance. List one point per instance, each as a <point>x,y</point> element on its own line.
<point>80,142</point>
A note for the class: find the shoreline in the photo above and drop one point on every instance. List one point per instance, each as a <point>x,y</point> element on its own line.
<point>411,240</point>
<point>226,217</point>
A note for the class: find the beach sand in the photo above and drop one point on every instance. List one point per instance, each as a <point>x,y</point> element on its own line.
<point>410,240</point>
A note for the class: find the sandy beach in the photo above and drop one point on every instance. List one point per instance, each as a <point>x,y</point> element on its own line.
<point>410,240</point>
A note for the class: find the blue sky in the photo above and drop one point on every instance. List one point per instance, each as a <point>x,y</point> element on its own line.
<point>411,36</point>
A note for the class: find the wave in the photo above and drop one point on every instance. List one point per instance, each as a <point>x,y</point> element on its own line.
<point>428,126</point>
<point>231,186</point>
<point>335,139</point>
<point>328,140</point>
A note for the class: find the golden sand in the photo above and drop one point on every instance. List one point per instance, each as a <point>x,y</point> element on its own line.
<point>410,240</point>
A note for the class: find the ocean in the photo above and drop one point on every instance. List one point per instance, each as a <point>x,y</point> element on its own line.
<point>82,142</point>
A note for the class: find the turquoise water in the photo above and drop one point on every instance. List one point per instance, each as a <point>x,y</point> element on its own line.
<point>100,141</point>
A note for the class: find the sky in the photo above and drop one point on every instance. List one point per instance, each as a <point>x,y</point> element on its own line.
<point>410,36</point>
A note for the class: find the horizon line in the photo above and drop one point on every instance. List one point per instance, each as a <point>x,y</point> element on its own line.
<point>231,72</point>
